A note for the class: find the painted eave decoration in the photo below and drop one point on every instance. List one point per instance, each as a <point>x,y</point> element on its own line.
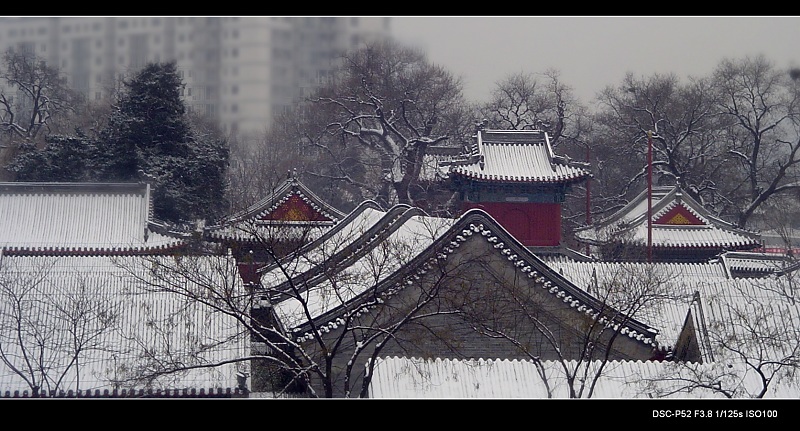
<point>678,222</point>
<point>292,204</point>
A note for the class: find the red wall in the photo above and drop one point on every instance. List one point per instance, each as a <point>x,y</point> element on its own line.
<point>533,224</point>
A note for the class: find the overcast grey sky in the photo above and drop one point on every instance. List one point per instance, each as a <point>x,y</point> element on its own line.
<point>594,51</point>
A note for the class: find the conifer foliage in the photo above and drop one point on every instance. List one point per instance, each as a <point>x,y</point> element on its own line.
<point>148,137</point>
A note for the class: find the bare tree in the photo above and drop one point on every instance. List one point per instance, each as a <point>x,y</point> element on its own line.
<point>296,350</point>
<point>762,107</point>
<point>373,122</point>
<point>685,137</point>
<point>524,101</point>
<point>32,98</point>
<point>190,323</point>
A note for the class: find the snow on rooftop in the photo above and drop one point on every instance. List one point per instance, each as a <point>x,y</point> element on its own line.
<point>383,259</point>
<point>77,216</point>
<point>402,377</point>
<point>125,328</point>
<point>337,241</point>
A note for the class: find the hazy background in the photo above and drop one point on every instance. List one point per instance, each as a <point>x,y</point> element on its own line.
<point>592,52</point>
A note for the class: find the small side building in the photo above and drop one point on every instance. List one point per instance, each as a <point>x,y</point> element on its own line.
<point>516,178</point>
<point>680,230</point>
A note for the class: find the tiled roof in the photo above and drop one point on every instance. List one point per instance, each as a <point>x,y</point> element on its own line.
<point>629,225</point>
<point>741,262</point>
<point>401,377</point>
<point>437,160</point>
<point>337,240</point>
<point>516,156</point>
<point>81,218</point>
<point>143,328</point>
<point>292,207</point>
<point>718,301</point>
<point>425,240</point>
<point>409,238</point>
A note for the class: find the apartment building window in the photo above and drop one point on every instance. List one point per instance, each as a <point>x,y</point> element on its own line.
<point>235,89</point>
<point>354,21</point>
<point>234,108</point>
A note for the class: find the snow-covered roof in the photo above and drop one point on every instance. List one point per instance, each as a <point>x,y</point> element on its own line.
<point>437,160</point>
<point>397,252</point>
<point>708,290</point>
<point>291,210</point>
<point>678,221</point>
<point>395,249</point>
<point>124,325</point>
<point>516,156</point>
<point>753,263</point>
<point>361,221</point>
<point>80,218</point>
<point>403,377</point>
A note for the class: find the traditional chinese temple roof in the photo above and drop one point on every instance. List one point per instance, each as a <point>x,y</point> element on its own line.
<point>291,205</point>
<point>515,156</point>
<point>678,221</point>
<point>80,218</point>
<point>416,242</point>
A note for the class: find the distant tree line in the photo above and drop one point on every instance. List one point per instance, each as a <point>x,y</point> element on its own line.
<point>730,139</point>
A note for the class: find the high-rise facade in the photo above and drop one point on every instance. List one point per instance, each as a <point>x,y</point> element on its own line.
<point>239,71</point>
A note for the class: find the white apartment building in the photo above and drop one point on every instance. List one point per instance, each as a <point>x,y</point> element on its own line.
<point>240,71</point>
